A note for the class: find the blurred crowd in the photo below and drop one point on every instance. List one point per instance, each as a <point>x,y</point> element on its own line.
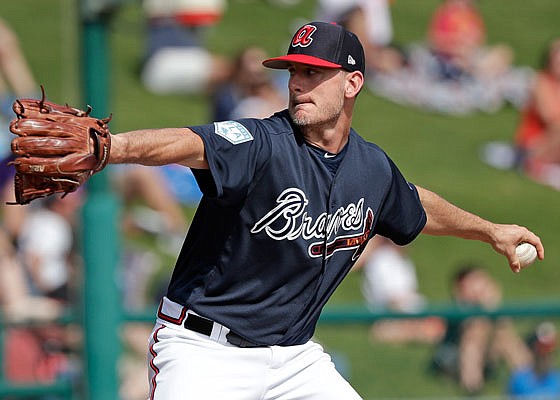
<point>452,70</point>
<point>534,149</point>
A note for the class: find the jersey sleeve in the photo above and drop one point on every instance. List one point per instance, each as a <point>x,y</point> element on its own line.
<point>235,150</point>
<point>402,216</point>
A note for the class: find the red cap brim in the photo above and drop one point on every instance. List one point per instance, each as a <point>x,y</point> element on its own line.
<point>284,61</point>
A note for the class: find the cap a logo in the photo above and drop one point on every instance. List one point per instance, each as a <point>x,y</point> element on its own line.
<point>303,37</point>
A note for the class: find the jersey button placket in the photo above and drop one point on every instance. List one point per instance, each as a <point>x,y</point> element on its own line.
<point>331,203</point>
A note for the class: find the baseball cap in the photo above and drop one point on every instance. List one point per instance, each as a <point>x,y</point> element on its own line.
<point>322,44</point>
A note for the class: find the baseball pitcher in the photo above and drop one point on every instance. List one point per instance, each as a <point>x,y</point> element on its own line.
<point>289,203</point>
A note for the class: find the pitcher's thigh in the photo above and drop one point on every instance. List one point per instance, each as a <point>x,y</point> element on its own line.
<point>326,383</point>
<point>311,376</point>
<point>183,368</point>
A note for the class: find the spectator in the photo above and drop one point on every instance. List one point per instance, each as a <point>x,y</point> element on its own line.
<point>177,60</point>
<point>150,209</point>
<point>51,263</point>
<point>390,277</point>
<point>455,71</point>
<point>17,303</point>
<point>538,134</point>
<point>251,91</point>
<point>390,283</point>
<point>150,186</point>
<point>535,148</point>
<point>457,38</point>
<point>472,346</point>
<point>371,21</point>
<point>539,380</point>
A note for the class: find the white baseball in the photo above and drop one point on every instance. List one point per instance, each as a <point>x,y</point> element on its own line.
<point>527,254</point>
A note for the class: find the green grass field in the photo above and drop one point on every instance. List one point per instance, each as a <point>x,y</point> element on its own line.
<point>435,151</point>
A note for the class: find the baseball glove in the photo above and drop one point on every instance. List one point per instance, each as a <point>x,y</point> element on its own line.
<point>57,149</point>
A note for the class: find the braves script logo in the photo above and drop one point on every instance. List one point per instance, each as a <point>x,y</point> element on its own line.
<point>303,37</point>
<point>289,221</point>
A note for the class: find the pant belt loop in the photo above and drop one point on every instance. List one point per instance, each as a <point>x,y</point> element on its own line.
<point>216,332</point>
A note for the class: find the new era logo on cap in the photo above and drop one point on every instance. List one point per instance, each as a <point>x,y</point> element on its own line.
<point>325,45</point>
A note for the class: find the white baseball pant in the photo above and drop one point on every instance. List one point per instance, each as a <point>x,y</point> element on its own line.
<point>186,365</point>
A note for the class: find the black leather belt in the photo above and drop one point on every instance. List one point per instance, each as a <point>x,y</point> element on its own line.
<point>204,326</point>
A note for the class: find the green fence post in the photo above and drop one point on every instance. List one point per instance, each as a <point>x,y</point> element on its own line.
<point>100,238</point>
<point>2,345</point>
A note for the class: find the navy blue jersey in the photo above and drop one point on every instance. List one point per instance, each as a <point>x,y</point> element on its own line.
<point>276,232</point>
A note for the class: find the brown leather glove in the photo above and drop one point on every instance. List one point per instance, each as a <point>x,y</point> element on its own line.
<point>57,149</point>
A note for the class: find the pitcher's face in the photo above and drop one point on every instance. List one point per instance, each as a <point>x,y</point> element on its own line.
<point>316,94</point>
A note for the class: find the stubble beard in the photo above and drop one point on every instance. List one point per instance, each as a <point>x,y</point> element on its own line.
<point>326,116</point>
